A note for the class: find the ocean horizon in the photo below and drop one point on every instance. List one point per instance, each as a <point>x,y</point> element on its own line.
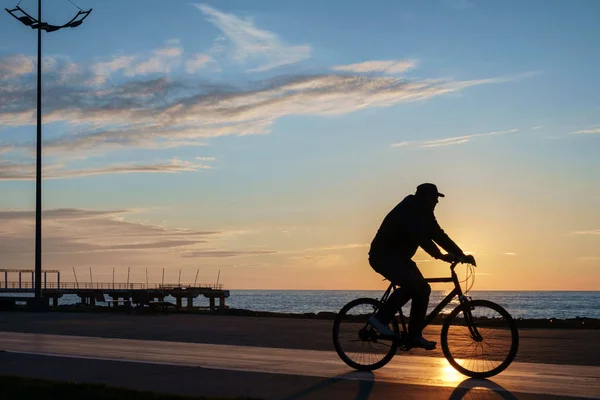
<point>527,304</point>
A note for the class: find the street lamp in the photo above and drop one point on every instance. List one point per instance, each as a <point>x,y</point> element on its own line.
<point>36,23</point>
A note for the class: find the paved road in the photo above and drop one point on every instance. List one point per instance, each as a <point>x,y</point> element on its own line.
<point>196,368</point>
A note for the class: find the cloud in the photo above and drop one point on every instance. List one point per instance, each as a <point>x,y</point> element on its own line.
<point>198,62</point>
<point>586,131</point>
<point>388,67</point>
<point>15,66</point>
<point>76,231</point>
<point>590,232</point>
<point>102,70</point>
<point>331,247</point>
<point>589,258</point>
<point>451,141</point>
<point>318,260</point>
<point>250,43</point>
<point>169,51</point>
<point>60,213</point>
<point>5,149</point>
<point>160,112</point>
<point>510,254</point>
<point>16,171</point>
<point>104,240</point>
<point>157,113</point>
<point>160,61</point>
<point>226,253</point>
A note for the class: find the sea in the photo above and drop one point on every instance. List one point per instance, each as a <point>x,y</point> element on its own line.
<point>520,304</point>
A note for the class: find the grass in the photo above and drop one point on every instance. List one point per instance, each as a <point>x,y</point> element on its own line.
<point>18,388</point>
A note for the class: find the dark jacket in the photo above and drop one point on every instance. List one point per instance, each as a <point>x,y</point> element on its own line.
<point>409,225</point>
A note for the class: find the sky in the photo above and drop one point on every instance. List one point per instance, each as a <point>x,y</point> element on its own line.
<point>262,143</point>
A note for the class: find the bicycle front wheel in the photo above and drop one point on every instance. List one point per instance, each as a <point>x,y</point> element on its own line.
<point>480,338</point>
<point>356,342</point>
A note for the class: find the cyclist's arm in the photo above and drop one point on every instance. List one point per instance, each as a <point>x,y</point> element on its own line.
<point>419,230</point>
<point>429,246</point>
<point>441,238</point>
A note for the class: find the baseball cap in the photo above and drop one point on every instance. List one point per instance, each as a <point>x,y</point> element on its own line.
<point>428,189</point>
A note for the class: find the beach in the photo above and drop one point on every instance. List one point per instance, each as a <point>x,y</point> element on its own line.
<point>556,346</point>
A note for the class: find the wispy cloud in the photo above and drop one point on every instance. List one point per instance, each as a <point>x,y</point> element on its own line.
<point>388,67</point>
<point>589,258</point>
<point>586,131</point>
<point>510,254</point>
<point>15,66</point>
<point>589,232</point>
<point>161,112</point>
<point>16,171</point>
<point>451,141</point>
<point>335,247</point>
<point>250,43</point>
<point>116,238</point>
<point>162,60</point>
<point>197,62</point>
<point>104,69</point>
<point>76,231</point>
<point>159,61</point>
<point>225,253</point>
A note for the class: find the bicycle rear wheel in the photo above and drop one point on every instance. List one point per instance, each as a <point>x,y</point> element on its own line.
<point>356,342</point>
<point>480,338</point>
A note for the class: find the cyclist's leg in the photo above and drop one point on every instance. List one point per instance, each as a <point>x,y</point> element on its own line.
<point>393,270</point>
<point>420,300</point>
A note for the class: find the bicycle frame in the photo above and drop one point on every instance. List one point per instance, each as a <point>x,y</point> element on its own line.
<point>457,291</point>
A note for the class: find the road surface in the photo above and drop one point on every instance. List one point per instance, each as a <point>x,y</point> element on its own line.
<point>282,373</point>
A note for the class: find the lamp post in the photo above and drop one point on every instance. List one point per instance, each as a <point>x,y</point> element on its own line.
<point>34,23</point>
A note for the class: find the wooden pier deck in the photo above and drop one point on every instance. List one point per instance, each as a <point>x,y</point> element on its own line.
<point>121,293</point>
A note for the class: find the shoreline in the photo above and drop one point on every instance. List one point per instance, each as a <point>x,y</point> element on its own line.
<point>522,323</point>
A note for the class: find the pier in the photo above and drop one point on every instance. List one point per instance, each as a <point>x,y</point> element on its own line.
<point>126,294</point>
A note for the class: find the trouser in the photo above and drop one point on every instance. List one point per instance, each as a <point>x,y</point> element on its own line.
<point>412,285</point>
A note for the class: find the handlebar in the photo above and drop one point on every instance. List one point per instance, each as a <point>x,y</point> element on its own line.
<point>456,262</point>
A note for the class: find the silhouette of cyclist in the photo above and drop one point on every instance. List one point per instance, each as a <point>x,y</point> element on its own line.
<point>407,226</point>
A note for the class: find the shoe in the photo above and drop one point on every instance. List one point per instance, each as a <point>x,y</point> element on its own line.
<point>423,343</point>
<point>380,326</point>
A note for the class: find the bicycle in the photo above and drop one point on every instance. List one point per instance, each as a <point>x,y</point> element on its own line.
<point>463,330</point>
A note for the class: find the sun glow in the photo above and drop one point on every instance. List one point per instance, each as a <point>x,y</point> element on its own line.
<point>448,374</point>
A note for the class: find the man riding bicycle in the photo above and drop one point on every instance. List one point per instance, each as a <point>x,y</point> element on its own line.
<point>407,226</point>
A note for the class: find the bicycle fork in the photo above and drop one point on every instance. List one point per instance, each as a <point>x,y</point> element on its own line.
<point>470,321</point>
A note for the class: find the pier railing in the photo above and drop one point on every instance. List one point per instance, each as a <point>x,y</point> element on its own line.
<point>7,286</point>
